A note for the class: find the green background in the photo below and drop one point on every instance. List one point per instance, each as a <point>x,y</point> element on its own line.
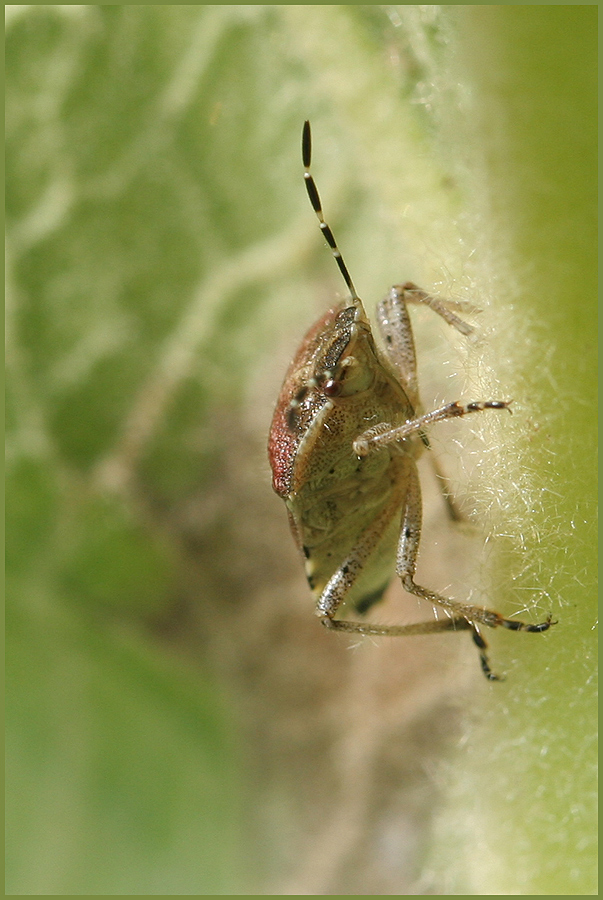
<point>177,723</point>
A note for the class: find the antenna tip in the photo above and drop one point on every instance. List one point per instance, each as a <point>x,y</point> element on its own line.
<point>306,145</point>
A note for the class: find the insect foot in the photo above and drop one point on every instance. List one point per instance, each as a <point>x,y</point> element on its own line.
<point>356,513</point>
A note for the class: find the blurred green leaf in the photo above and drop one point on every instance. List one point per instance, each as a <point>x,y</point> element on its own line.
<point>121,777</point>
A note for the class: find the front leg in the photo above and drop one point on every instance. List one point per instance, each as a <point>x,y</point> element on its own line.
<point>396,330</point>
<point>398,345</point>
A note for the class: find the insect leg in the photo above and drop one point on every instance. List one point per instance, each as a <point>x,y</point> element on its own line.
<point>396,331</point>
<point>346,575</point>
<point>342,581</point>
<point>431,627</point>
<point>399,347</point>
<point>410,293</point>
<point>408,549</point>
<point>398,342</point>
<point>377,437</point>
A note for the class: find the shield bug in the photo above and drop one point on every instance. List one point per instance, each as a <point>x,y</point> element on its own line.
<point>345,437</point>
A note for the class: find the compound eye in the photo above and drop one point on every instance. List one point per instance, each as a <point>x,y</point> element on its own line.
<point>332,388</point>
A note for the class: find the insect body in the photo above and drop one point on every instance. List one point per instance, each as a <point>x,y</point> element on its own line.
<point>344,440</point>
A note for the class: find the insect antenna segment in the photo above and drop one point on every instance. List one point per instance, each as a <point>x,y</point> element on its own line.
<point>316,205</point>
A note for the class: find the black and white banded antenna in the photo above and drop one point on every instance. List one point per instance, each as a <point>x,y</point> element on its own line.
<point>316,205</point>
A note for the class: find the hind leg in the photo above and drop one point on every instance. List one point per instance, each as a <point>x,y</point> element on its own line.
<point>474,616</point>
